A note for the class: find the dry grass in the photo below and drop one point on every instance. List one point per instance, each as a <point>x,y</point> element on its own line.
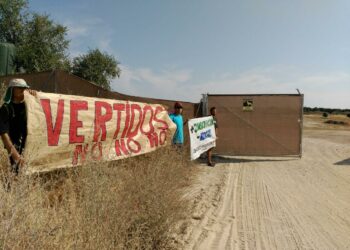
<point>134,203</point>
<point>127,204</point>
<point>317,121</point>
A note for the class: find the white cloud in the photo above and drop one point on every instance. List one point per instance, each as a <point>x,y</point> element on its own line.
<point>87,33</point>
<point>145,82</point>
<point>127,83</point>
<point>327,79</point>
<point>330,89</point>
<point>75,29</point>
<point>320,89</point>
<point>164,78</point>
<point>104,44</point>
<point>327,90</point>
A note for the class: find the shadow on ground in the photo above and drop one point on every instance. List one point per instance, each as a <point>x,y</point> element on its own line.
<point>343,162</point>
<point>226,159</point>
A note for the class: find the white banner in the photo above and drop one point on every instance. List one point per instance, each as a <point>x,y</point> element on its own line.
<point>202,135</point>
<point>66,131</point>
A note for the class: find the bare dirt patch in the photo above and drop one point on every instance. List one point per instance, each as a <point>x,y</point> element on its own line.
<point>276,203</point>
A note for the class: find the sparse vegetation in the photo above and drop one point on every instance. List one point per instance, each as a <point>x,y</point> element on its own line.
<point>127,204</point>
<point>327,110</point>
<point>134,203</point>
<point>336,122</point>
<point>325,115</point>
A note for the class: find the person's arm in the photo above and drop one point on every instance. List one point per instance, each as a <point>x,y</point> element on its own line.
<point>32,92</point>
<point>12,151</point>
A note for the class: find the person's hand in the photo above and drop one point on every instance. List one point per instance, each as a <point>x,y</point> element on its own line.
<point>19,160</point>
<point>32,92</point>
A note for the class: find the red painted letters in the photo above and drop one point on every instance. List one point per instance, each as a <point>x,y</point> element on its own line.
<point>119,108</point>
<point>131,124</point>
<point>53,131</point>
<point>158,110</point>
<point>100,120</point>
<point>134,108</point>
<point>74,123</point>
<point>151,128</point>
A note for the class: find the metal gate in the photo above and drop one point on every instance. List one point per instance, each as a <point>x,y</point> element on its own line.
<point>258,125</point>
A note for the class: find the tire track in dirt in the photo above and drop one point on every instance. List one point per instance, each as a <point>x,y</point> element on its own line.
<point>221,232</point>
<point>281,203</point>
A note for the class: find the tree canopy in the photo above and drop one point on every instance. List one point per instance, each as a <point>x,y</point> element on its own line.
<point>13,16</point>
<point>97,67</point>
<point>42,44</point>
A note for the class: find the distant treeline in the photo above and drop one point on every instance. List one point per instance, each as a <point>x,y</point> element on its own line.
<point>327,110</point>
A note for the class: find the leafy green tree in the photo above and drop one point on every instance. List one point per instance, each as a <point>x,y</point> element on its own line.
<point>97,67</point>
<point>40,43</point>
<point>13,16</point>
<point>43,45</point>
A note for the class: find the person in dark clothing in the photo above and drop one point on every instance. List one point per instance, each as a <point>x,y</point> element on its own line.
<point>210,151</point>
<point>13,122</point>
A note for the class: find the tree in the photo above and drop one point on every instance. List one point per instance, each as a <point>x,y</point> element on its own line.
<point>97,67</point>
<point>40,43</point>
<point>43,46</point>
<point>13,16</point>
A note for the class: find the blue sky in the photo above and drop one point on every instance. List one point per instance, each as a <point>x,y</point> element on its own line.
<point>181,49</point>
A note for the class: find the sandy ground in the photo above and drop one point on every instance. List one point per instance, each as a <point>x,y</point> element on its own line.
<point>276,203</point>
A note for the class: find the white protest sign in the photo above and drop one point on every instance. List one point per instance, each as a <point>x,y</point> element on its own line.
<point>202,135</point>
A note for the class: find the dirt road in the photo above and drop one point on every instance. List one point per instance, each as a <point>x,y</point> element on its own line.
<point>283,203</point>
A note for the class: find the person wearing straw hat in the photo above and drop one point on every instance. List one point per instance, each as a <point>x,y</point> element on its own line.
<point>13,121</point>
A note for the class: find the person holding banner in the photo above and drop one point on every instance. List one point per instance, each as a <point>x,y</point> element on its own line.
<point>13,121</point>
<point>210,151</point>
<point>177,118</point>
